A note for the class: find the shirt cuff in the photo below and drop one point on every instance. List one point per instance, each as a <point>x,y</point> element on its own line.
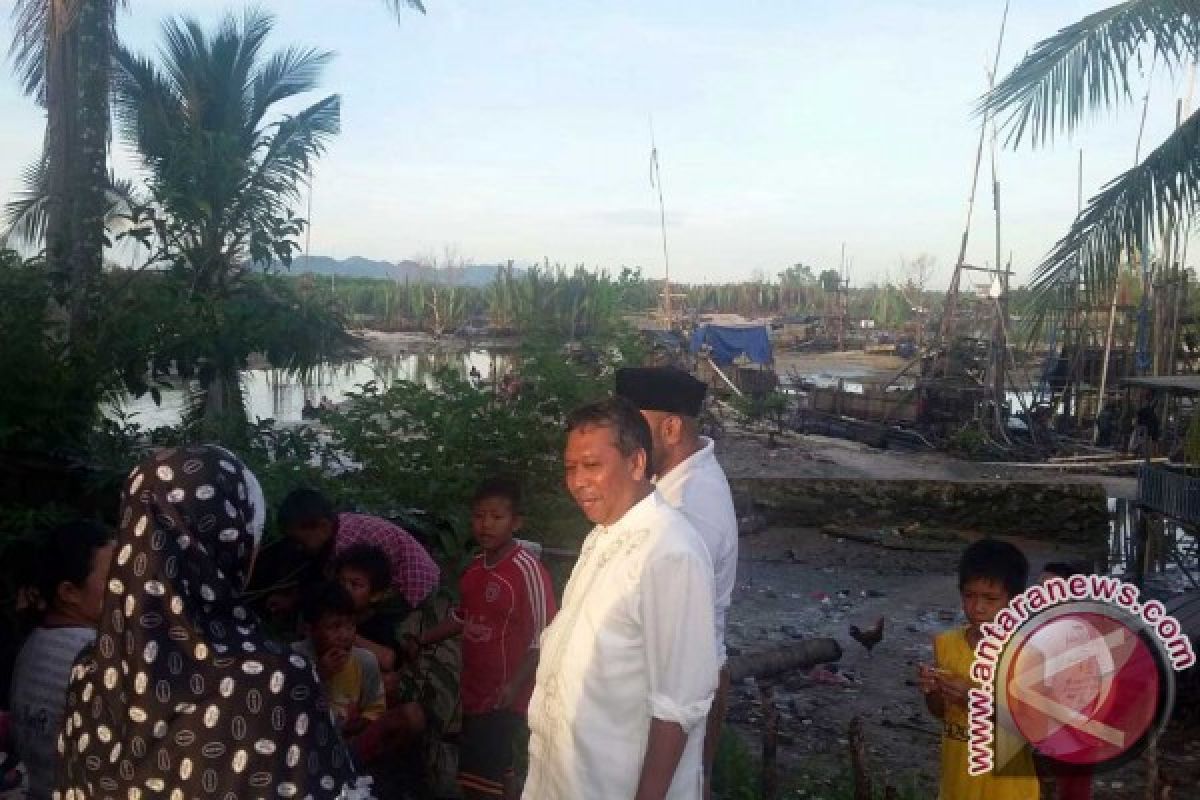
<point>687,716</point>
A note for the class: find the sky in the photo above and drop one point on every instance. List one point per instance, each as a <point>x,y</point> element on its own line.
<point>521,129</point>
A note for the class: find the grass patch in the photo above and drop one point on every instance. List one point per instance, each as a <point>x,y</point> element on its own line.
<point>737,775</point>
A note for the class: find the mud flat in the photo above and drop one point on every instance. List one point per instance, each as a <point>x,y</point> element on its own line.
<point>848,534</point>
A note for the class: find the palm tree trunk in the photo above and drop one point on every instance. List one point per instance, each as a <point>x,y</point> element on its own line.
<point>62,89</point>
<point>88,171</point>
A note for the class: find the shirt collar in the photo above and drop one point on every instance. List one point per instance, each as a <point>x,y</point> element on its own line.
<point>634,516</point>
<point>689,464</point>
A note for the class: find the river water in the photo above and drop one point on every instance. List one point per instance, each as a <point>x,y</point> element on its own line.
<point>273,394</point>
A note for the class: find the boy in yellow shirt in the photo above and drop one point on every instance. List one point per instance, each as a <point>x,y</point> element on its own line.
<point>990,574</point>
<point>350,675</point>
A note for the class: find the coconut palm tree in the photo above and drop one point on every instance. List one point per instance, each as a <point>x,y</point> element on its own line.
<point>61,50</point>
<point>225,169</point>
<point>1088,67</point>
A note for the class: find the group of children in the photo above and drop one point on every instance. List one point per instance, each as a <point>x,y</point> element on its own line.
<point>506,599</point>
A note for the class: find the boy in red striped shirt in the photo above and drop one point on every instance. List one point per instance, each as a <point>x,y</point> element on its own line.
<point>506,601</point>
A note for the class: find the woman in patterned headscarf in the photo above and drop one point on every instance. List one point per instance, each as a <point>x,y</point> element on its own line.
<point>185,694</point>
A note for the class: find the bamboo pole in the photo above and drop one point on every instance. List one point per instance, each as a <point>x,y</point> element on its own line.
<point>946,330</point>
<point>999,329</point>
<point>724,377</point>
<point>1112,313</point>
<point>769,789</point>
<point>1124,462</point>
<point>863,788</point>
<point>662,215</point>
<point>785,658</point>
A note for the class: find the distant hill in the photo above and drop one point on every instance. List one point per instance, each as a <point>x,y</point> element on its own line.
<point>357,267</point>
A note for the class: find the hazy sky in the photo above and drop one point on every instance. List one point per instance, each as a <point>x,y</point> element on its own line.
<point>520,129</point>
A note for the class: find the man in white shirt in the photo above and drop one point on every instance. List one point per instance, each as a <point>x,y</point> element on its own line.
<point>690,480</point>
<point>628,667</point>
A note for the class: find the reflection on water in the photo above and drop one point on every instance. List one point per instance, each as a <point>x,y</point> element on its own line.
<point>273,394</point>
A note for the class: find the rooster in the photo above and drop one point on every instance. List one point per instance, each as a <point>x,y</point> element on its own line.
<point>869,637</point>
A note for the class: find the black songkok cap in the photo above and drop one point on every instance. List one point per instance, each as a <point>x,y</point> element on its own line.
<point>661,389</point>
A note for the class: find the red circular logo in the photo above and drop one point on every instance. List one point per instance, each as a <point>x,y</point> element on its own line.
<point>1083,687</point>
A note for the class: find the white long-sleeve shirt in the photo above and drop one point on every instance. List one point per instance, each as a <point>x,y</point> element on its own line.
<point>633,641</point>
<point>697,487</point>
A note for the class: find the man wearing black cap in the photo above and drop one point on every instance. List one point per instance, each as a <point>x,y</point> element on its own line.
<point>689,478</point>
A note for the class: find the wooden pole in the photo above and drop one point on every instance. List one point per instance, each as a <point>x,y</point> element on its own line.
<point>770,663</point>
<point>999,333</point>
<point>1108,342</point>
<point>837,298</point>
<point>770,771</point>
<point>863,789</point>
<point>1178,290</point>
<point>662,217</point>
<point>946,330</point>
<point>1112,312</point>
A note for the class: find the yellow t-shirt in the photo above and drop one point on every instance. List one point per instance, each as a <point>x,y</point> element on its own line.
<point>357,690</point>
<point>951,652</point>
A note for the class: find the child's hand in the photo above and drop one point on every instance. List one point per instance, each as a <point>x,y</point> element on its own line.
<point>331,662</point>
<point>927,679</point>
<point>953,690</point>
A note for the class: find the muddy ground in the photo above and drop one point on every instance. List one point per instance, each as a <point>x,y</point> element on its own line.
<point>801,582</point>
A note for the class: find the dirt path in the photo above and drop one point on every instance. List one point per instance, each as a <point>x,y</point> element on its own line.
<point>756,454</point>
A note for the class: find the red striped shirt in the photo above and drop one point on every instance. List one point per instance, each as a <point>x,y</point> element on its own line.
<point>504,608</point>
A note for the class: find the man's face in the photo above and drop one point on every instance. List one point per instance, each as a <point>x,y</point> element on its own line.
<point>604,483</point>
<point>311,536</point>
<point>332,632</point>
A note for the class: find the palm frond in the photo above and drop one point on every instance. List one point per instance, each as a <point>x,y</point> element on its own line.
<point>34,24</point>
<point>398,7</point>
<point>25,215</point>
<point>1086,66</point>
<point>290,147</point>
<point>184,58</point>
<point>1128,214</point>
<point>38,26</point>
<point>145,105</point>
<point>288,73</point>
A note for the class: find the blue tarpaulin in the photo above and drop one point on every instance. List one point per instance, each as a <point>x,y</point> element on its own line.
<point>728,343</point>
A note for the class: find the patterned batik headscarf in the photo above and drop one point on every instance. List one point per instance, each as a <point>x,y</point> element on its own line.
<point>184,694</point>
